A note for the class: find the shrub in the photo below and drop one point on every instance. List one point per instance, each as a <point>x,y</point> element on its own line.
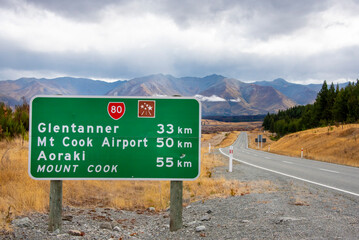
<point>14,123</point>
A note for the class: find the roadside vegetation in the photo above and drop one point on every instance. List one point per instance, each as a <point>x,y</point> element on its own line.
<point>333,106</point>
<point>333,144</point>
<point>19,194</point>
<point>14,122</point>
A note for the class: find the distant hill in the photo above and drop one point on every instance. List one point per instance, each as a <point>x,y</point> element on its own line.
<point>11,92</point>
<point>220,96</point>
<point>301,94</point>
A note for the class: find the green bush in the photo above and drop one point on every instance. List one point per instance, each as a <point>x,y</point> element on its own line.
<point>14,122</point>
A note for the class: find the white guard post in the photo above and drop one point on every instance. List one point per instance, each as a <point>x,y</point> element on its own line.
<point>301,154</point>
<point>230,158</point>
<point>209,148</point>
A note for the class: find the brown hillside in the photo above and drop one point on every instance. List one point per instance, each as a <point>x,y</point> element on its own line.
<point>330,144</point>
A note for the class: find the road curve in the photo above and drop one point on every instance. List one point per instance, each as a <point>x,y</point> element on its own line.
<point>341,178</point>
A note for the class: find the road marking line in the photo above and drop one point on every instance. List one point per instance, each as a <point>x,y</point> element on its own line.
<point>267,157</point>
<point>327,170</point>
<point>287,162</point>
<point>291,176</point>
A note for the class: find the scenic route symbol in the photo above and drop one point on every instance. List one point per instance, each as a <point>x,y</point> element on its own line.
<point>146,109</point>
<point>116,109</point>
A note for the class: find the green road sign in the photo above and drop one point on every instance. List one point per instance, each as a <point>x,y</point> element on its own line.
<point>74,137</point>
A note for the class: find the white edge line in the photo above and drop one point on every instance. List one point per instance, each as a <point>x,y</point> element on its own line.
<point>327,170</point>
<point>287,162</point>
<point>287,175</point>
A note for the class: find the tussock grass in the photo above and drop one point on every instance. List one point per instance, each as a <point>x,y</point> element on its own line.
<point>335,144</point>
<point>230,139</point>
<point>19,194</point>
<point>206,137</point>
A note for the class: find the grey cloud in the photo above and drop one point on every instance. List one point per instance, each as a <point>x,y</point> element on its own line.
<point>250,67</point>
<point>247,67</point>
<point>87,10</point>
<point>80,64</point>
<point>331,65</point>
<point>83,10</point>
<point>276,18</point>
<point>261,18</point>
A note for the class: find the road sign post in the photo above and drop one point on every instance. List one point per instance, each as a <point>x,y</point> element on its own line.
<point>176,206</point>
<point>260,137</point>
<point>113,138</point>
<point>55,216</point>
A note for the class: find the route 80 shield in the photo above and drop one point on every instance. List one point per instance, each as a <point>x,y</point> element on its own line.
<point>116,109</point>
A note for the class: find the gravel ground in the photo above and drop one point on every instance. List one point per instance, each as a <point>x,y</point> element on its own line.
<point>291,210</point>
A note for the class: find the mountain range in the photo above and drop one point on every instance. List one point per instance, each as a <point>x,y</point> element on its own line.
<point>220,96</point>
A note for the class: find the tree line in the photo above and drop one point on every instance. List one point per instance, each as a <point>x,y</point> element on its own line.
<point>332,106</point>
<point>14,122</point>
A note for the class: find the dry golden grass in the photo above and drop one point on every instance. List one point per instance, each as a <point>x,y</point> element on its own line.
<point>213,126</point>
<point>215,140</point>
<point>334,144</point>
<point>206,137</point>
<point>230,139</point>
<point>19,194</point>
<point>243,124</point>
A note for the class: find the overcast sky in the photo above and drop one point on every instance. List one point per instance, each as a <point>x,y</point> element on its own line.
<point>301,41</point>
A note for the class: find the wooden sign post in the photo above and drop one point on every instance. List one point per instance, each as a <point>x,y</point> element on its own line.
<point>176,205</point>
<point>55,216</point>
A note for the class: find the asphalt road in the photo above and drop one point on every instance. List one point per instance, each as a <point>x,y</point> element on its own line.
<point>340,178</point>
